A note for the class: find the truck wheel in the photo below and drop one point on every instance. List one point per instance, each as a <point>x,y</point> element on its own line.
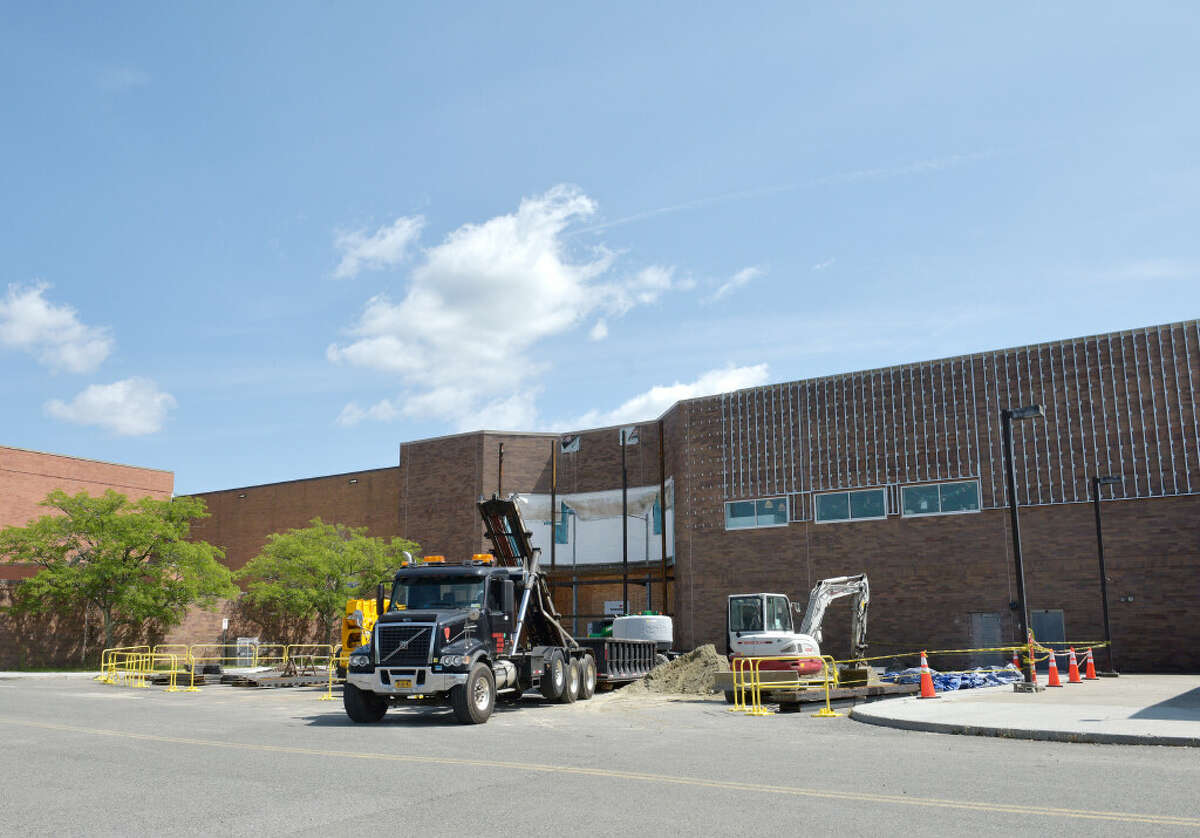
<point>554,676</point>
<point>474,701</point>
<point>587,677</point>
<point>362,706</point>
<point>571,687</point>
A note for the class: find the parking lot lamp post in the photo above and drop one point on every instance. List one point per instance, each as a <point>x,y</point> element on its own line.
<point>1097,482</point>
<point>1007,415</point>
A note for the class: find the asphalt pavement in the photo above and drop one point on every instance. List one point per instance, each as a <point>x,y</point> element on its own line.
<point>80,757</point>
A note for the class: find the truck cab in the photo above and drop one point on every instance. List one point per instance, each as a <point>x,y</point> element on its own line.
<point>442,620</point>
<point>761,625</point>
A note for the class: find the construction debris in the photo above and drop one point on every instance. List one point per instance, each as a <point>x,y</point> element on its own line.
<point>692,674</point>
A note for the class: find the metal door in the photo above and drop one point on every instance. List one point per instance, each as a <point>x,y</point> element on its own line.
<point>985,634</point>
<point>1049,628</point>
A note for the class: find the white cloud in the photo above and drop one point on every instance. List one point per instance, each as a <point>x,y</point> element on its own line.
<point>460,340</point>
<point>599,331</point>
<point>655,401</point>
<point>384,248</point>
<point>51,333</point>
<point>820,266</point>
<point>132,407</point>
<point>735,282</point>
<point>381,411</point>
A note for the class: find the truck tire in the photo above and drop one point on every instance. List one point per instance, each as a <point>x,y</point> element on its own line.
<point>362,706</point>
<point>587,677</point>
<point>571,687</point>
<point>554,676</point>
<point>474,701</point>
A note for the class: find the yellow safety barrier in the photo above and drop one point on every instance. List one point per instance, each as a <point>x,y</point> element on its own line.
<point>108,659</point>
<point>301,657</point>
<point>270,654</point>
<point>748,691</point>
<point>135,666</point>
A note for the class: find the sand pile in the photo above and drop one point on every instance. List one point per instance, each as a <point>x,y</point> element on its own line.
<point>692,674</point>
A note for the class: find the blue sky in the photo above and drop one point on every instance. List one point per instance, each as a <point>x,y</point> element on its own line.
<point>255,244</point>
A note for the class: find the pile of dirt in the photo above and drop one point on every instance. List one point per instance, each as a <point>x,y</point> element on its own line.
<point>692,674</point>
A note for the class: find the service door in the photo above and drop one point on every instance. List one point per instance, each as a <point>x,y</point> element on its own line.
<point>1048,627</point>
<point>985,634</point>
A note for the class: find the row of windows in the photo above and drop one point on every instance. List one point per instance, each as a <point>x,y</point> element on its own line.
<point>747,514</point>
<point>858,505</point>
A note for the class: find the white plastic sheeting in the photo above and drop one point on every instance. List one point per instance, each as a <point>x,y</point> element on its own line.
<point>592,506</point>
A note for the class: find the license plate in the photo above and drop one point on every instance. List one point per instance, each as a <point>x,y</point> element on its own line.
<point>403,683</point>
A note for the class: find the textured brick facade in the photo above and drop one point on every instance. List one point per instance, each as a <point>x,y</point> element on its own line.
<point>241,519</point>
<point>1121,404</point>
<point>26,477</point>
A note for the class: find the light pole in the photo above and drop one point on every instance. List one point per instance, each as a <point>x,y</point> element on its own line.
<point>1097,482</point>
<point>1007,415</point>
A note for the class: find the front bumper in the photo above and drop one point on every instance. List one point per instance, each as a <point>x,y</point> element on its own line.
<point>433,682</point>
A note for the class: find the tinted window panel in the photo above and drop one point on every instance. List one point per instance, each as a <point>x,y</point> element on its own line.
<point>921,500</point>
<point>739,515</point>
<point>867,504</point>
<point>960,497</point>
<point>834,507</point>
<point>745,613</point>
<point>772,511</point>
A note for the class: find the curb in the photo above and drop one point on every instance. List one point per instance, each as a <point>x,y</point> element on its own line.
<point>7,676</point>
<point>1087,737</point>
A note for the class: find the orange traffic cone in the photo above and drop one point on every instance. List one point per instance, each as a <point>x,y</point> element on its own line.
<point>1090,673</point>
<point>926,679</point>
<point>1016,660</point>
<point>1073,669</point>
<point>1053,681</point>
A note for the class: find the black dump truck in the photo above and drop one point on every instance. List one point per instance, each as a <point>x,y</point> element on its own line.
<point>481,631</point>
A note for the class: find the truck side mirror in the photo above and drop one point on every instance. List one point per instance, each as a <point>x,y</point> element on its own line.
<point>378,600</point>
<point>509,597</point>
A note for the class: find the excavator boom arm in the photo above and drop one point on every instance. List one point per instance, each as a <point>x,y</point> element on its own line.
<point>825,592</point>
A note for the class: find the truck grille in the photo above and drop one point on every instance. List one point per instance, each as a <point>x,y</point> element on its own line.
<point>416,652</point>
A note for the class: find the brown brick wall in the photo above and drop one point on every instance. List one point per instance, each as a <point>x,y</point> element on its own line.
<point>241,519</point>
<point>927,575</point>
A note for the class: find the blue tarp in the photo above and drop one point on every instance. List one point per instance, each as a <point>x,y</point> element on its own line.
<point>949,681</point>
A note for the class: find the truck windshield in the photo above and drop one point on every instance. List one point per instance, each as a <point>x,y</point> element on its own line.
<point>458,592</point>
<point>745,613</point>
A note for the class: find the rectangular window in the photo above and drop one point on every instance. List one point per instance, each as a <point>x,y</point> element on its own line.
<point>940,498</point>
<point>772,512</point>
<point>779,617</point>
<point>858,505</point>
<point>747,514</point>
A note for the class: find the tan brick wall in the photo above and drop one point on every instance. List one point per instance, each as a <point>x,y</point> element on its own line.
<point>26,477</point>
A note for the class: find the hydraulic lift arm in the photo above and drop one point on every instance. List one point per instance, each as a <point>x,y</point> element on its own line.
<point>825,592</point>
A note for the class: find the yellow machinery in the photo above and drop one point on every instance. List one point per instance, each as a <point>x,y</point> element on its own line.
<point>356,628</point>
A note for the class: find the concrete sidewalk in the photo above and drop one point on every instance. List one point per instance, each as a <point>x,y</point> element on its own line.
<point>1130,710</point>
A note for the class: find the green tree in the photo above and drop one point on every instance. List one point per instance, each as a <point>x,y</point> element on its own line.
<point>130,561</point>
<point>306,575</point>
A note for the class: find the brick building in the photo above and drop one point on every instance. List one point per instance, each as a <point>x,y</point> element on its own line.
<point>26,477</point>
<point>897,472</point>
